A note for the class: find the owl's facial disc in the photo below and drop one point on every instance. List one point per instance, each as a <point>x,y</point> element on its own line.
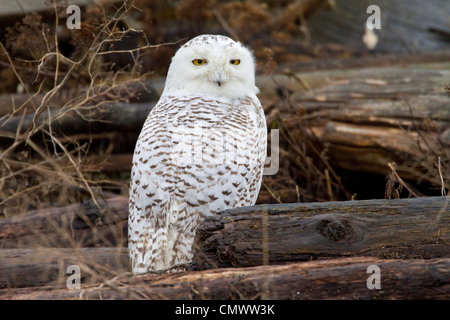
<point>216,75</point>
<point>212,65</point>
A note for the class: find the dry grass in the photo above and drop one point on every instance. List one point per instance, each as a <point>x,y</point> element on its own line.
<point>433,165</point>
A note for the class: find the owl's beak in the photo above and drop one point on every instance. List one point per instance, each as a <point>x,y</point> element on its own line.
<point>219,78</point>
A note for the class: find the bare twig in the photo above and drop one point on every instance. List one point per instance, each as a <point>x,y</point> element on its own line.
<point>400,180</point>
<point>443,192</point>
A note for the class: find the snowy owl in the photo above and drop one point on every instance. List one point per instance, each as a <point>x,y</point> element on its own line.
<point>201,150</point>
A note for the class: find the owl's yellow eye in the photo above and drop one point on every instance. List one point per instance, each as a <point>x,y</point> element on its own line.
<point>235,61</point>
<point>198,62</point>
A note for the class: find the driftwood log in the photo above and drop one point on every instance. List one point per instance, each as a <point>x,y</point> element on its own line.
<point>405,228</point>
<point>344,278</point>
<point>118,116</point>
<point>263,234</point>
<point>405,26</point>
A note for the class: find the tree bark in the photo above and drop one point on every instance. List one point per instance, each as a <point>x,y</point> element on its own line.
<point>403,228</point>
<point>344,278</point>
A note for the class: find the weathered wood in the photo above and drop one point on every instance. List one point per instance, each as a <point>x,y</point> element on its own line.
<point>365,61</point>
<point>330,279</point>
<point>403,228</point>
<point>75,225</point>
<point>45,266</point>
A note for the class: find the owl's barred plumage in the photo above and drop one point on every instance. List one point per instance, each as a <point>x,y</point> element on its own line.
<point>201,150</point>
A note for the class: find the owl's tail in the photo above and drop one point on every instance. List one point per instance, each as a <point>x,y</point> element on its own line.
<point>161,245</point>
<point>144,251</point>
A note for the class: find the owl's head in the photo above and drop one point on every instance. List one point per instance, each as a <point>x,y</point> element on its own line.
<point>212,65</point>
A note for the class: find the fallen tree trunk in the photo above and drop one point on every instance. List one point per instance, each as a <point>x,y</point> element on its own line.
<point>404,228</point>
<point>331,279</point>
<point>45,266</point>
<point>18,104</point>
<point>9,103</point>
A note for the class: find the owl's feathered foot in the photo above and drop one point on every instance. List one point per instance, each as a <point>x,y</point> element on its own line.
<point>176,268</point>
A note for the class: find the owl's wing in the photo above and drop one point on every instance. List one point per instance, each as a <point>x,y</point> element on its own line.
<point>234,150</point>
